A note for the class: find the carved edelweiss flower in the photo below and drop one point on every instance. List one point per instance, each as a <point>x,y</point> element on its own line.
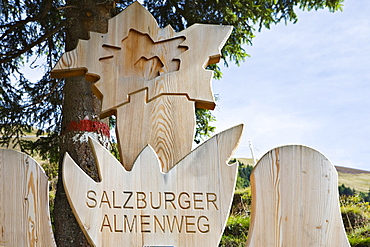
<point>137,55</point>
<point>150,78</point>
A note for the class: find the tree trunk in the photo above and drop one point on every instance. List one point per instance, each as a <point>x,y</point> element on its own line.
<point>79,104</point>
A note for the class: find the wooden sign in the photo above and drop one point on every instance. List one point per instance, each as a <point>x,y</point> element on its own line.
<point>150,78</point>
<point>24,203</point>
<point>187,206</point>
<point>295,200</point>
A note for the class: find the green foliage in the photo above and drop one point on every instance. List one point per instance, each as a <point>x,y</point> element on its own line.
<point>242,202</point>
<point>366,196</point>
<point>29,31</point>
<point>356,219</point>
<point>114,145</point>
<point>114,150</point>
<point>244,174</point>
<point>231,241</point>
<point>52,192</point>
<point>355,212</point>
<point>45,147</point>
<point>237,225</point>
<point>203,119</point>
<point>343,190</point>
<point>236,231</point>
<point>360,237</point>
<point>355,201</point>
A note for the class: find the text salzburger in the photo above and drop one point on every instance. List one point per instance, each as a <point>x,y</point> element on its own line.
<point>153,223</point>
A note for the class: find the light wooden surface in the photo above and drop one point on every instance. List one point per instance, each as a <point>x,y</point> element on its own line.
<point>295,200</point>
<point>24,204</point>
<point>149,77</point>
<point>188,206</point>
<point>166,124</point>
<point>136,54</point>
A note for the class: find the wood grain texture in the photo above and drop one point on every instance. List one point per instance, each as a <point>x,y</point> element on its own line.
<point>295,200</point>
<point>188,206</point>
<point>136,54</point>
<point>166,124</point>
<point>149,77</point>
<point>24,204</point>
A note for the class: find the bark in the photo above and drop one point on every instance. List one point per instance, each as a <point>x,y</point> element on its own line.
<point>79,103</point>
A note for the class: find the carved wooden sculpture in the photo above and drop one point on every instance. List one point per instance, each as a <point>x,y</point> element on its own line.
<point>151,78</point>
<point>295,200</point>
<point>24,204</point>
<point>188,206</point>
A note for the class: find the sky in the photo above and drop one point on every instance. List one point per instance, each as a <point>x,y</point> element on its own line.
<point>306,83</point>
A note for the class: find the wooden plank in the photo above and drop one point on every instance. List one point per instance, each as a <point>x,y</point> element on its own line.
<point>188,206</point>
<point>166,124</point>
<point>24,204</point>
<point>295,200</point>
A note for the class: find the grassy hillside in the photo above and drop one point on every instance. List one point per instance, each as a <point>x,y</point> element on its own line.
<point>358,181</point>
<point>352,178</point>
